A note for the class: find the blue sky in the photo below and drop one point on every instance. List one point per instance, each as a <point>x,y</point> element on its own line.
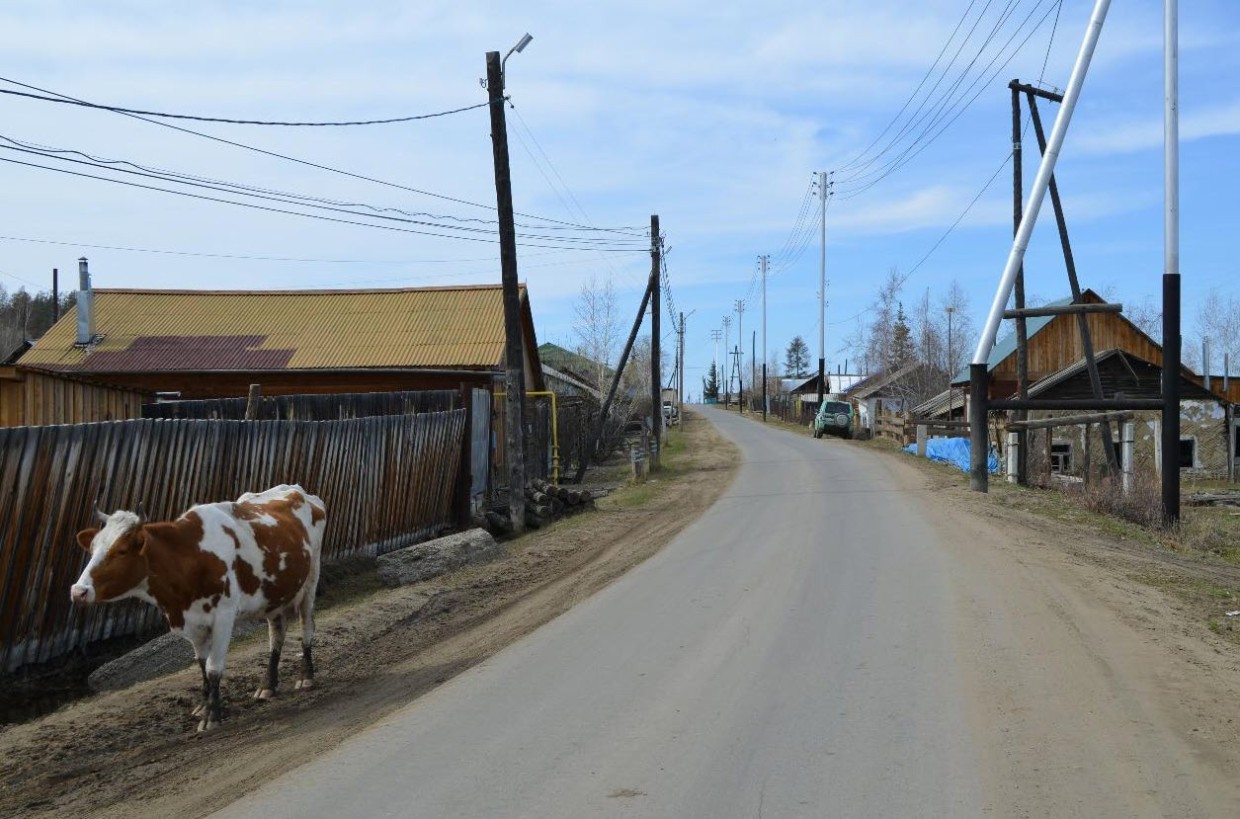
<point>713,118</point>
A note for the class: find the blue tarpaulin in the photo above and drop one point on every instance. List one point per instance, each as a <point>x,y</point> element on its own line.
<point>953,451</point>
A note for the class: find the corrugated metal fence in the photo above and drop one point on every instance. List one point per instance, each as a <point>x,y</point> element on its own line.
<point>330,407</point>
<point>387,481</point>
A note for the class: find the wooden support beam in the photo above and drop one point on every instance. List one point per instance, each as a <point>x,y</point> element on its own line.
<point>1071,420</point>
<point>1017,85</point>
<point>1075,404</point>
<point>1062,310</point>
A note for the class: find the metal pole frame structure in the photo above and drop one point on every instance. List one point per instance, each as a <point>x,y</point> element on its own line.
<point>979,376</point>
<point>1087,344</point>
<point>1171,266</point>
<point>514,354</point>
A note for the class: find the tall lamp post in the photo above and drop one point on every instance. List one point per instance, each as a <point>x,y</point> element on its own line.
<point>514,353</point>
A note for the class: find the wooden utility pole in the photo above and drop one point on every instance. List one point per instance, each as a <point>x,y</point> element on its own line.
<point>514,428</point>
<point>680,368</point>
<point>611,391</point>
<point>656,377</point>
<point>1022,336</point>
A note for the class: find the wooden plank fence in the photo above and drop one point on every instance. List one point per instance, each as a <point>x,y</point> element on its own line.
<point>896,426</point>
<point>387,481</point>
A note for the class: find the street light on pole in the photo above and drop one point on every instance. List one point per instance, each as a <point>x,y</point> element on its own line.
<point>514,353</point>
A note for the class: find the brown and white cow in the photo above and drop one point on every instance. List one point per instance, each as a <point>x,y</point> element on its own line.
<point>215,564</point>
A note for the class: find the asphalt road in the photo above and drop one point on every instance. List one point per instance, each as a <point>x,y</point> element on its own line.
<point>789,654</point>
<point>796,652</point>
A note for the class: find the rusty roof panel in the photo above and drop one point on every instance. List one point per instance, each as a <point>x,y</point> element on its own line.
<point>146,330</point>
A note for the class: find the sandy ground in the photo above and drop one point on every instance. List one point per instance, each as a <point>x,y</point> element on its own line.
<point>134,753</point>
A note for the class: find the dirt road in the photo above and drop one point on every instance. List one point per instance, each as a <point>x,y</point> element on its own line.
<point>838,636</point>
<point>842,634</point>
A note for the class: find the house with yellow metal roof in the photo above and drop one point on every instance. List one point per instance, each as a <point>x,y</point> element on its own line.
<point>213,344</point>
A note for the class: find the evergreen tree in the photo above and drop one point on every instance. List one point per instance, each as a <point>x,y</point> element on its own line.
<point>796,359</point>
<point>710,384</point>
<point>901,340</point>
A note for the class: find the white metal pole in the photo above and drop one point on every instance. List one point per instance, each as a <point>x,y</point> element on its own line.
<point>1171,136</point>
<point>1041,181</point>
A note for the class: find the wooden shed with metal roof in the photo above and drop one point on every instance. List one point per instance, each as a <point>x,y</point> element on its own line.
<point>214,344</point>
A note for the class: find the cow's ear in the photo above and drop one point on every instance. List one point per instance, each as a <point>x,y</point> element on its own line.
<point>142,539</point>
<point>85,537</point>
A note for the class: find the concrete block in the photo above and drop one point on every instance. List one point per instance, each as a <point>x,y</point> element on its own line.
<point>435,557</point>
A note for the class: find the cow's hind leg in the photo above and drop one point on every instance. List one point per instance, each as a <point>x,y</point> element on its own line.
<point>221,635</point>
<point>276,628</point>
<point>199,640</point>
<point>306,609</point>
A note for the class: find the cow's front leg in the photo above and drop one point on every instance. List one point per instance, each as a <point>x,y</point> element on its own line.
<point>275,639</point>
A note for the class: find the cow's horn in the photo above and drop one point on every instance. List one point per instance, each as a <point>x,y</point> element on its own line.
<point>141,512</point>
<point>99,513</point>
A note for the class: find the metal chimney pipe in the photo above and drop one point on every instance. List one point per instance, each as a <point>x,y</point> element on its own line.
<point>1205,363</point>
<point>85,305</point>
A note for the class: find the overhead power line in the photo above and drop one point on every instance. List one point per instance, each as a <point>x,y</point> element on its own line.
<point>321,217</point>
<point>952,109</point>
<point>116,109</point>
<point>304,162</point>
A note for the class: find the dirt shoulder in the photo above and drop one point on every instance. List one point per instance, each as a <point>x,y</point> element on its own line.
<point>133,753</point>
<point>1086,646</point>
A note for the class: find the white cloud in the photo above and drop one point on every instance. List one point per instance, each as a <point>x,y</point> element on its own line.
<point>1145,134</point>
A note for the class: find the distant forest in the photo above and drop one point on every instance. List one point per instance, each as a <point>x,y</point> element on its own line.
<point>26,317</point>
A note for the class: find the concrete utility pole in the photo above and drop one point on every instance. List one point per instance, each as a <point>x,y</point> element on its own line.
<point>727,350</point>
<point>1171,265</point>
<point>740,356</point>
<point>514,353</point>
<point>766,260</point>
<point>656,375</point>
<point>823,187</point>
<point>715,336</point>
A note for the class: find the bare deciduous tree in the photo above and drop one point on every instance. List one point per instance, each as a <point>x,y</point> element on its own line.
<point>597,328</point>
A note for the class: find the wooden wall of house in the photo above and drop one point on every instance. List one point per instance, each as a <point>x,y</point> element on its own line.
<point>36,399</point>
<point>192,386</point>
<point>1058,345</point>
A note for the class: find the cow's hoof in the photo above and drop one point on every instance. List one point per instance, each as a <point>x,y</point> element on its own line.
<point>264,694</point>
<point>304,685</point>
<point>207,725</point>
<point>199,711</point>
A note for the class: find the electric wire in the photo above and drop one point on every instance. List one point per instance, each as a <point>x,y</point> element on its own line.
<point>302,200</point>
<point>179,176</point>
<point>270,209</point>
<point>308,163</point>
<point>265,258</point>
<point>914,116</point>
<point>848,165</point>
<point>921,144</point>
<point>116,109</point>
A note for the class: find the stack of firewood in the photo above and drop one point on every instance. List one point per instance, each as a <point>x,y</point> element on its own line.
<point>544,503</point>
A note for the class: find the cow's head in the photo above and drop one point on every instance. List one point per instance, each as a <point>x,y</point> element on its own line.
<point>117,566</point>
